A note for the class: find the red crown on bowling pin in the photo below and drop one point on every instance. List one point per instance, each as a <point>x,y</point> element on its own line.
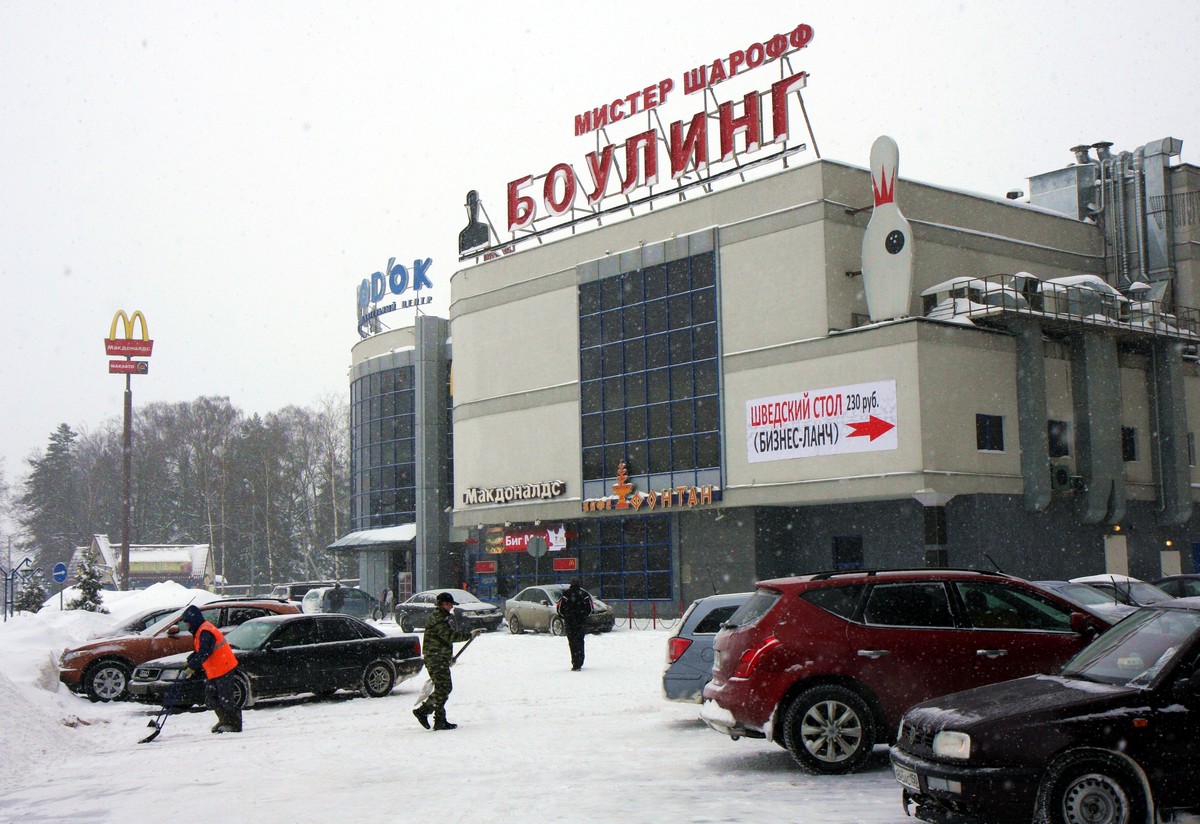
<point>884,186</point>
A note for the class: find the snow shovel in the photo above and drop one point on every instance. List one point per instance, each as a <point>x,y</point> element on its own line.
<point>427,689</point>
<point>168,705</point>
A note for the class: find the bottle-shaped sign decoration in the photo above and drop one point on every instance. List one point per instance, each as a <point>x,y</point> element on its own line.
<point>887,250</point>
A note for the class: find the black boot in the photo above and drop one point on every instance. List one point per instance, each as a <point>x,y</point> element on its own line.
<point>443,724</point>
<point>422,716</point>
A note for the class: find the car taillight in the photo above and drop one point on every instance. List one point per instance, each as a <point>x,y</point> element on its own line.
<point>751,657</point>
<point>418,648</point>
<point>677,647</point>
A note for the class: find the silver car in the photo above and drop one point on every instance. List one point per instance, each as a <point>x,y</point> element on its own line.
<point>690,649</point>
<point>534,608</point>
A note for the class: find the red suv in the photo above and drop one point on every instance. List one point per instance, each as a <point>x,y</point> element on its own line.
<point>826,664</point>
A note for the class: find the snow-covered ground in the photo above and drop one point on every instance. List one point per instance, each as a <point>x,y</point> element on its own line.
<point>537,742</point>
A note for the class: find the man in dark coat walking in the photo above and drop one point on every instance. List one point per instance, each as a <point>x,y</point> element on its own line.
<point>337,598</point>
<point>440,637</point>
<point>575,606</point>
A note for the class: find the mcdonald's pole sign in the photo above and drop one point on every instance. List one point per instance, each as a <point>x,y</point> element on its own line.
<point>128,346</point>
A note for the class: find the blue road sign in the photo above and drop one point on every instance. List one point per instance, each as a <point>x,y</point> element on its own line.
<point>60,572</point>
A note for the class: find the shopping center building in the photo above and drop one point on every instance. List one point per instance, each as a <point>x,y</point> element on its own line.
<point>699,391</point>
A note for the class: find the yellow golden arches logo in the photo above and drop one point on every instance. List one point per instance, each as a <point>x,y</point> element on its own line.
<point>128,345</point>
<point>129,322</point>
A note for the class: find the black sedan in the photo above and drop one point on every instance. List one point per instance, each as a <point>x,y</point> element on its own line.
<point>1114,738</point>
<point>469,612</point>
<point>290,654</point>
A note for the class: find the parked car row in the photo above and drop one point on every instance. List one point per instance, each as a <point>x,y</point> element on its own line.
<point>156,641</point>
<point>1005,700</point>
<point>1112,737</point>
<point>826,664</point>
<point>101,668</point>
<point>291,654</point>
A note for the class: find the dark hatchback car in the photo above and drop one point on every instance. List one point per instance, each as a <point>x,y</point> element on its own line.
<point>1114,738</point>
<point>291,654</point>
<point>826,664</point>
<point>469,612</point>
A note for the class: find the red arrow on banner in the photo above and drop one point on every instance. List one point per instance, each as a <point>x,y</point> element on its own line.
<point>873,427</point>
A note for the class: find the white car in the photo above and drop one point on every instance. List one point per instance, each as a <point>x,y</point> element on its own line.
<point>534,608</point>
<point>354,602</point>
<point>1132,591</point>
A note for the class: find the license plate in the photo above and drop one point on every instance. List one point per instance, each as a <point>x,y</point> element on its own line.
<point>907,777</point>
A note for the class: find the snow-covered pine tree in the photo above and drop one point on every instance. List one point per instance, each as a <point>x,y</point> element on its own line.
<point>88,584</point>
<point>32,595</point>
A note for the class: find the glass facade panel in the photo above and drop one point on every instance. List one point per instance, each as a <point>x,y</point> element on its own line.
<point>649,396</point>
<point>384,488</point>
<point>648,357</point>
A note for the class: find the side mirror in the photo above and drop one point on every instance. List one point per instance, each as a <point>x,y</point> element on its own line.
<point>1082,625</point>
<point>1187,690</point>
<point>173,630</point>
<point>545,603</point>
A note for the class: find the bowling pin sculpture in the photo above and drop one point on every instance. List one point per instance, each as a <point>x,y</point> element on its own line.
<point>887,250</point>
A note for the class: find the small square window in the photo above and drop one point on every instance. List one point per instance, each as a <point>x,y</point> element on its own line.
<point>847,552</point>
<point>989,433</point>
<point>1059,436</point>
<point>1128,444</point>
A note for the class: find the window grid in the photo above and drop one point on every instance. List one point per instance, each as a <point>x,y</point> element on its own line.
<point>625,558</point>
<point>383,449</point>
<point>649,375</point>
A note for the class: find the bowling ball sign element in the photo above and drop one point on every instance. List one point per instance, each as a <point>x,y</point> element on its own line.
<point>894,242</point>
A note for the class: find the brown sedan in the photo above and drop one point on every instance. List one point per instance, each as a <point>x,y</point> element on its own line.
<point>101,668</point>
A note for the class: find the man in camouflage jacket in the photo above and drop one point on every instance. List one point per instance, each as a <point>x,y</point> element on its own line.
<point>440,637</point>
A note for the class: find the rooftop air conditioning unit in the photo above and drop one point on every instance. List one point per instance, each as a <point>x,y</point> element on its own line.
<point>1060,477</point>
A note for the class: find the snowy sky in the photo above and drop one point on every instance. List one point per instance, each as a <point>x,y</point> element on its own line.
<point>234,170</point>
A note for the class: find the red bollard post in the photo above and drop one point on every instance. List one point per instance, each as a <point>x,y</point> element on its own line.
<point>654,614</point>
<point>630,604</point>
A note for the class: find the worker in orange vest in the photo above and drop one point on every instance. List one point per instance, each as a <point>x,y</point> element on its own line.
<point>214,657</point>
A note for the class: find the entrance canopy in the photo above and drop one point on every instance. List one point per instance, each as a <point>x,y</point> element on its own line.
<point>367,538</point>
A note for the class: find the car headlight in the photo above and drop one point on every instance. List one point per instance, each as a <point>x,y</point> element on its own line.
<point>170,674</point>
<point>950,744</point>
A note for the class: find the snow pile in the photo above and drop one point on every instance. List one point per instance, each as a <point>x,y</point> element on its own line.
<point>36,709</point>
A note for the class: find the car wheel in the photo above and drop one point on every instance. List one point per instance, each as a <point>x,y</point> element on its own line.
<point>514,624</point>
<point>378,679</point>
<point>557,627</point>
<point>829,729</point>
<point>107,681</point>
<point>243,697</point>
<point>1092,788</point>
<point>406,624</point>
